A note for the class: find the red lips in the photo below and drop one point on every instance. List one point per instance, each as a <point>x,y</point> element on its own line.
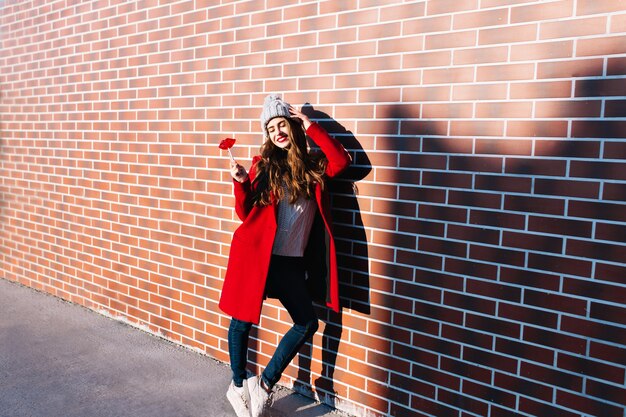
<point>227,143</point>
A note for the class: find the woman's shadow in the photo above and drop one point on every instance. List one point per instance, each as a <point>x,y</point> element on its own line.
<point>352,263</point>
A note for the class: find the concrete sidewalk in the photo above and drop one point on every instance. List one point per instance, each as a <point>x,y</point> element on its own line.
<point>62,360</point>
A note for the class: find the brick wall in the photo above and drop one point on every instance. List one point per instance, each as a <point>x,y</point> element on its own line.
<point>481,230</point>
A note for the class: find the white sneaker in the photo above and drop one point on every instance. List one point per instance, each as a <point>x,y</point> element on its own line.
<point>237,398</point>
<point>260,399</point>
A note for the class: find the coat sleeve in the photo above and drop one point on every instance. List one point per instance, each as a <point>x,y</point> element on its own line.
<point>338,158</point>
<point>243,192</point>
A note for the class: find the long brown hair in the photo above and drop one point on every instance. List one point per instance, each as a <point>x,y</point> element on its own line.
<point>294,167</point>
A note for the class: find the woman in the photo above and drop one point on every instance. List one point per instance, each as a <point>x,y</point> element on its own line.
<point>284,248</point>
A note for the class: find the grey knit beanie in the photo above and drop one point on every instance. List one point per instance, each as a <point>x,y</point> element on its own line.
<point>273,106</point>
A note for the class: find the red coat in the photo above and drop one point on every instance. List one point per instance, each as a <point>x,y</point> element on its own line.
<point>251,248</point>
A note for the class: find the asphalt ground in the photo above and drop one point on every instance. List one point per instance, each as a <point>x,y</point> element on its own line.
<point>59,359</point>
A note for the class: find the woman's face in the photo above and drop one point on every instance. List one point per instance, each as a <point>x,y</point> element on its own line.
<point>279,131</point>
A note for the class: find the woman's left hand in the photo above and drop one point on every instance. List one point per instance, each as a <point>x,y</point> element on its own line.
<point>306,122</point>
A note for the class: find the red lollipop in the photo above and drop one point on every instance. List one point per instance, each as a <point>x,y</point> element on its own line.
<point>226,144</point>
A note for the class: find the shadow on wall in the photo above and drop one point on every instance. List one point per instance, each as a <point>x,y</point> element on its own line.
<point>503,204</point>
<point>352,260</point>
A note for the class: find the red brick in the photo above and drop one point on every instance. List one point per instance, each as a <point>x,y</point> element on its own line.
<point>588,209</point>
<point>609,272</point>
<point>541,89</point>
<point>565,28</point>
<point>559,264</point>
<point>570,68</point>
<point>505,72</point>
<point>430,407</point>
<point>389,206</point>
<point>445,76</point>
<point>423,161</point>
<point>394,77</point>
<point>419,259</point>
<point>496,219</point>
<point>436,93</point>
<point>358,49</point>
<point>531,279</point>
<point>567,148</point>
<point>479,19</point>
<point>612,393</point>
<point>489,359</point>
<point>403,44</point>
<point>476,128</point>
<point>479,92</point>
<point>552,10</point>
<point>535,408</point>
<point>435,376</point>
<point>497,255</point>
<point>474,199</point>
<point>422,127</point>
<point>587,7</point>
<point>580,189</point>
<point>504,110</point>
<point>603,170</point>
<point>484,55</point>
<point>410,321</point>
<point>432,59</point>
<point>450,40</point>
<point>447,6</point>
<point>443,247</point>
<point>446,179</point>
<point>567,109</point>
<point>519,349</point>
<point>585,366</point>
<point>331,6</point>
<point>474,234</point>
<point>606,352</point>
<point>420,227</point>
<point>534,166</point>
<point>338,35</point>
<point>551,376</point>
<point>425,25</point>
<point>379,95</point>
<point>556,302</point>
<point>467,403</point>
<point>600,311</point>
<point>316,53</point>
<point>534,204</point>
<point>476,163</point>
<point>600,87</point>
<point>555,340</point>
<point>503,146</point>
<point>378,31</point>
<point>618,23</point>
<point>401,12</point>
<point>605,251</point>
<point>541,51</point>
<point>614,150</point>
<point>471,268</point>
<point>508,34</point>
<point>615,108</point>
<point>442,213</point>
<point>614,191</point>
<point>495,395</point>
<point>601,46</point>
<point>537,243</point>
<point>394,175</point>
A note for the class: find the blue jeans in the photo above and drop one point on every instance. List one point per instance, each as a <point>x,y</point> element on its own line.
<point>286,282</point>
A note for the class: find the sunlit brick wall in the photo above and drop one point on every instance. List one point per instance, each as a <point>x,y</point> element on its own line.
<point>481,229</point>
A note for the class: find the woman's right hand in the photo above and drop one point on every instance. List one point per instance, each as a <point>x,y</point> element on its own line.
<point>238,172</point>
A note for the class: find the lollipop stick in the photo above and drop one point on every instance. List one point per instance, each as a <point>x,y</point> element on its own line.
<point>231,156</point>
